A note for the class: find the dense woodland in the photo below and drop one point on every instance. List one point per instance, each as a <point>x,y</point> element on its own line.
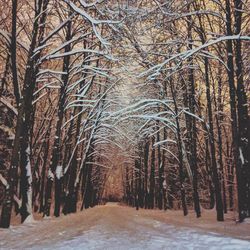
<point>155,89</point>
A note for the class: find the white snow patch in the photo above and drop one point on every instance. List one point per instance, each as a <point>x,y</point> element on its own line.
<point>50,175</point>
<point>29,175</point>
<point>247,221</point>
<point>29,219</point>
<point>59,172</point>
<point>241,156</point>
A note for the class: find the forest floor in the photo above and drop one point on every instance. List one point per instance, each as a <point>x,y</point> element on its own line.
<point>119,227</point>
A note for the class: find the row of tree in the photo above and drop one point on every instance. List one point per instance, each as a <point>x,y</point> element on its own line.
<point>193,150</point>
<point>164,84</point>
<point>55,66</point>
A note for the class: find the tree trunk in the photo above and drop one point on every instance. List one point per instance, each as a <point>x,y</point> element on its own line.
<point>218,198</point>
<point>243,167</point>
<point>180,152</point>
<point>146,153</point>
<point>152,177</point>
<point>13,52</point>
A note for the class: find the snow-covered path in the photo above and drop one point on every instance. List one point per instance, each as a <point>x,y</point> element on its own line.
<point>112,227</point>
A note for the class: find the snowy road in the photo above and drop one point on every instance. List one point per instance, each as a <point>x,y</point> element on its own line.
<point>113,227</point>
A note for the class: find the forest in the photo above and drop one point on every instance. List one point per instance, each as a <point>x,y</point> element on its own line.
<point>154,93</point>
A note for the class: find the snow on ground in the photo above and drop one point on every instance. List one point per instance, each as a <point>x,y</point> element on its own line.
<point>119,227</point>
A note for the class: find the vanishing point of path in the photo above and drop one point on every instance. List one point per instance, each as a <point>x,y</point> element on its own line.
<point>114,227</point>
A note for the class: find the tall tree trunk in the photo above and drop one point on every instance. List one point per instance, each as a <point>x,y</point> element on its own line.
<point>180,152</point>
<point>232,93</point>
<point>13,52</point>
<point>219,120</point>
<point>243,167</point>
<point>160,168</point>
<point>218,198</point>
<point>152,177</point>
<point>193,130</point>
<point>46,154</point>
<point>146,191</point>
